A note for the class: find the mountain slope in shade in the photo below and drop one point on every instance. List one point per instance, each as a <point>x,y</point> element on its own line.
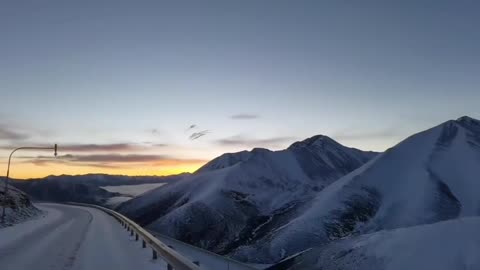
<point>237,199</point>
<point>429,177</point>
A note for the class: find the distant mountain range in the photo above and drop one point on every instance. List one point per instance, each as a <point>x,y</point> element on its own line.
<point>82,188</point>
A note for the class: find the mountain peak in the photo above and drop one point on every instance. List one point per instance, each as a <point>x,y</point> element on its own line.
<point>318,140</point>
<point>469,123</point>
<point>467,120</point>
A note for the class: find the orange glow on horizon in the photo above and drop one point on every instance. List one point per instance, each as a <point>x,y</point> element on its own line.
<point>28,170</point>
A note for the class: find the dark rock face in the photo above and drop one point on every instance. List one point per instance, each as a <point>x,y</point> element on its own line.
<point>446,205</point>
<point>203,225</point>
<point>473,126</point>
<point>449,132</point>
<point>260,226</point>
<point>357,209</point>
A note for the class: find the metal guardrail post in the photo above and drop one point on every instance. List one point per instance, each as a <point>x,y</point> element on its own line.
<point>173,259</point>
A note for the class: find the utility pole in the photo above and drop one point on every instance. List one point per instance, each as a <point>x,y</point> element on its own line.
<point>54,148</point>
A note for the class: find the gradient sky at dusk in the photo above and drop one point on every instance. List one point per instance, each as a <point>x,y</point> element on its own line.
<point>119,84</point>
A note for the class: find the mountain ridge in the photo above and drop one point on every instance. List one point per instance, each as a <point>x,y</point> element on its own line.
<point>237,200</point>
<point>431,176</point>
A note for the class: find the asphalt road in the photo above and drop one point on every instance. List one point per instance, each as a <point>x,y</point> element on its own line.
<point>72,238</point>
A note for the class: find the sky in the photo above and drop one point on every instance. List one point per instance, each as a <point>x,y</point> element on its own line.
<point>161,87</point>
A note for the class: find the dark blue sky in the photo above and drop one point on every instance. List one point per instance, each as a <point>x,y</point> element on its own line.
<point>367,73</point>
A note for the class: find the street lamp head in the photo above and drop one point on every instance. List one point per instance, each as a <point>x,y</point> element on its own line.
<point>55,149</point>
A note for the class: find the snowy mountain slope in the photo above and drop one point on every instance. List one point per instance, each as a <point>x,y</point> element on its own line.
<point>234,201</point>
<point>429,177</point>
<point>452,244</point>
<point>225,160</point>
<point>19,208</point>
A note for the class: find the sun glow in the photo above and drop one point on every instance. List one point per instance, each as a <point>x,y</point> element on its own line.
<point>29,170</point>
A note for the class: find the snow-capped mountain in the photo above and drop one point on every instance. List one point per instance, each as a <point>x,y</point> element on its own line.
<point>237,199</point>
<point>430,177</point>
<point>18,206</point>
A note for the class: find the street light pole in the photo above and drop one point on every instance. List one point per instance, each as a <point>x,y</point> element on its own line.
<point>8,172</point>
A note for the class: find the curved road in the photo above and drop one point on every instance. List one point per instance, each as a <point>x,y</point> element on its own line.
<point>72,238</point>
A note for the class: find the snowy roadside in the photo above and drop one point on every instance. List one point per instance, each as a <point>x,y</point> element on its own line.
<point>17,216</point>
<point>18,207</point>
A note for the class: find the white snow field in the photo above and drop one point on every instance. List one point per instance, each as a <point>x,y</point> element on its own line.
<point>72,238</point>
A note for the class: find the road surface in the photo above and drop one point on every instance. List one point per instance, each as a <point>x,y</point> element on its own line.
<point>72,238</point>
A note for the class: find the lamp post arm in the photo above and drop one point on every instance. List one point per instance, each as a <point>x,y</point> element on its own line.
<point>8,172</point>
<point>25,148</point>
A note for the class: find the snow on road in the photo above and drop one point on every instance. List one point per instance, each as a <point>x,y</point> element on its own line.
<point>72,238</point>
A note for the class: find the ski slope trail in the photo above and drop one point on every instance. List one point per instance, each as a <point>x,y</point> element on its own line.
<point>72,238</point>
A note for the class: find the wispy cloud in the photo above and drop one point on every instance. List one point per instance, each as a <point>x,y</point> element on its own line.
<point>159,145</point>
<point>8,133</point>
<point>244,116</point>
<point>154,131</point>
<point>199,134</point>
<point>190,128</point>
<point>243,141</point>
<point>118,147</point>
<point>47,162</point>
<point>112,160</point>
<point>81,148</point>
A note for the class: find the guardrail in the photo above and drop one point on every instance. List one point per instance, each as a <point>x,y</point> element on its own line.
<point>215,261</point>
<point>174,259</point>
